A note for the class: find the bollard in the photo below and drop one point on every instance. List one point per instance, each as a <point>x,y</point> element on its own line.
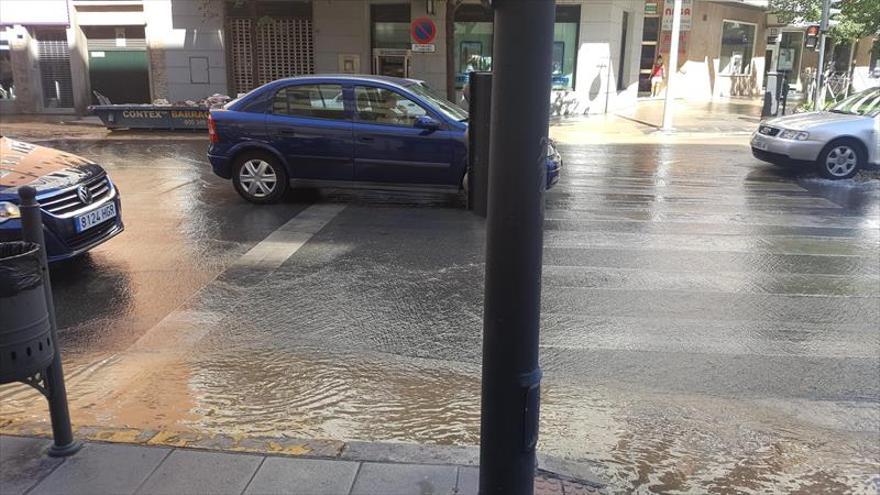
<point>479,113</point>
<point>54,388</point>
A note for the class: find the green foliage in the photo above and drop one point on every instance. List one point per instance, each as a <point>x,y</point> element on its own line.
<point>858,18</point>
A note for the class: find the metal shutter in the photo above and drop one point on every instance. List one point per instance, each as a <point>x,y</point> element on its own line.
<point>284,49</point>
<point>55,68</point>
<point>280,47</point>
<point>241,51</point>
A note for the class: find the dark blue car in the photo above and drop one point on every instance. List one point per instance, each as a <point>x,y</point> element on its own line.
<point>80,204</point>
<point>355,129</point>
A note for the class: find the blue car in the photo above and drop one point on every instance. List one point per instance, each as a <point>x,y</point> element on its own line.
<point>344,129</point>
<point>80,204</point>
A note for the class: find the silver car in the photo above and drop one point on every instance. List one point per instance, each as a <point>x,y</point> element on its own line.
<point>838,141</point>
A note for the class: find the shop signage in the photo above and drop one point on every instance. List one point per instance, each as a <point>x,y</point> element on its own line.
<point>423,30</point>
<point>428,48</point>
<point>687,14</point>
<point>666,42</point>
<point>651,8</point>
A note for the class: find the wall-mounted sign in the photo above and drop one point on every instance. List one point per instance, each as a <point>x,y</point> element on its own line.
<point>427,48</point>
<point>650,8</point>
<point>423,30</point>
<point>349,63</point>
<point>687,14</point>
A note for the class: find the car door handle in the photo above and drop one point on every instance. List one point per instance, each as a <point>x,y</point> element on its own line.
<point>288,132</point>
<point>367,139</point>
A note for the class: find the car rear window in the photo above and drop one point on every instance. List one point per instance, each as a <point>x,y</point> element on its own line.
<point>322,101</point>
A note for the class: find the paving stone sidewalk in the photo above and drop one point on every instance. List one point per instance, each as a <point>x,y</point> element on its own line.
<point>115,468</point>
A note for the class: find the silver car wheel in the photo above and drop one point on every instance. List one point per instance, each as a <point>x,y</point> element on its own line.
<point>841,161</point>
<point>258,178</point>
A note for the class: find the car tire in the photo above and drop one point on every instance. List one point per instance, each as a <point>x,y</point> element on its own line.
<point>260,177</point>
<point>841,159</point>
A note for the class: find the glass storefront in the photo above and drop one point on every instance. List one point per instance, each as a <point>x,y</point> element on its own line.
<point>789,57</point>
<point>737,47</point>
<point>473,43</point>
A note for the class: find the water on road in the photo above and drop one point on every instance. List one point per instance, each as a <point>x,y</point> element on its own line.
<point>709,322</point>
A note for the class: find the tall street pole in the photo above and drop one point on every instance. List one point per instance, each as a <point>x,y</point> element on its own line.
<point>672,68</point>
<point>522,56</point>
<point>819,100</point>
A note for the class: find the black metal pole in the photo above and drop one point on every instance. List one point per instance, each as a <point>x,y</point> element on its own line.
<point>479,130</point>
<point>521,61</point>
<point>32,231</point>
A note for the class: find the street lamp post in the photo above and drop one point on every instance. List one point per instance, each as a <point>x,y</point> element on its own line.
<point>523,46</point>
<point>668,102</point>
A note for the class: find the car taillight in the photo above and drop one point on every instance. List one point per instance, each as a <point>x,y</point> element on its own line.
<point>212,130</point>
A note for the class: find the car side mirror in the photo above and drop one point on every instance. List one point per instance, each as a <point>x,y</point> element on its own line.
<point>427,123</point>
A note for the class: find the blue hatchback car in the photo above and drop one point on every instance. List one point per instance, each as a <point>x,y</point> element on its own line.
<point>354,129</point>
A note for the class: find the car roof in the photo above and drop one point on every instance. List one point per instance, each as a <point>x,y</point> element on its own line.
<point>396,81</point>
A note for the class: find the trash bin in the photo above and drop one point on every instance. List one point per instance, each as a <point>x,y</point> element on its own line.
<point>26,345</point>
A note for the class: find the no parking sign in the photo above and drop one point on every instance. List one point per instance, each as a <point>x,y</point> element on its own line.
<point>423,30</point>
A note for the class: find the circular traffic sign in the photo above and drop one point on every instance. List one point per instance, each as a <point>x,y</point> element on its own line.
<point>423,30</point>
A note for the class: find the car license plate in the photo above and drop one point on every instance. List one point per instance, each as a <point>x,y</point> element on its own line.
<point>94,217</point>
<point>759,143</point>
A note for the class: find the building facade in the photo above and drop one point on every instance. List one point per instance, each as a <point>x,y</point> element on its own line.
<point>68,54</point>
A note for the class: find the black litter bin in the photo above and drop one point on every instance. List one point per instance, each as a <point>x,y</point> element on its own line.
<point>26,345</point>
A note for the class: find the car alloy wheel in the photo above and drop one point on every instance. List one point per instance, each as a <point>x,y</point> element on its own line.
<point>841,161</point>
<point>257,178</point>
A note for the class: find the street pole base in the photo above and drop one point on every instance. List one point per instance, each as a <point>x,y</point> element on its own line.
<point>65,450</point>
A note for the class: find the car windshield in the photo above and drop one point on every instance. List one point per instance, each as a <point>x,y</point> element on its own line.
<point>866,103</point>
<point>440,103</point>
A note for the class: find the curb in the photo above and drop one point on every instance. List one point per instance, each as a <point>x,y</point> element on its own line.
<point>385,452</point>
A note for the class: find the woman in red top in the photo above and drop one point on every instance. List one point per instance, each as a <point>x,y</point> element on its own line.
<point>658,72</point>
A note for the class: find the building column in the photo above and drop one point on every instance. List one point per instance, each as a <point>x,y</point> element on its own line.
<point>79,65</point>
<point>25,71</point>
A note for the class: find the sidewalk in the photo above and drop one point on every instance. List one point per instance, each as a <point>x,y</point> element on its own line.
<point>727,116</point>
<point>115,468</point>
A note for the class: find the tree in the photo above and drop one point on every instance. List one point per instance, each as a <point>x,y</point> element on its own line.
<point>858,18</point>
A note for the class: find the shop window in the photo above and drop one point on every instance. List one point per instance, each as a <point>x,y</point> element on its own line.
<point>737,47</point>
<point>473,43</point>
<point>390,26</point>
<point>564,51</point>
<point>789,58</point>
<point>7,85</point>
<point>840,57</point>
<point>324,101</point>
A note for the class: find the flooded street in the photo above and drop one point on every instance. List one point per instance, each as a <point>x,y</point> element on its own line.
<point>709,325</point>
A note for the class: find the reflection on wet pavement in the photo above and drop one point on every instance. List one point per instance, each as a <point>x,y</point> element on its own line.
<point>709,322</point>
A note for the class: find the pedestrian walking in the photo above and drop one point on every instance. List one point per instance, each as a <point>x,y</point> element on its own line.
<point>658,73</point>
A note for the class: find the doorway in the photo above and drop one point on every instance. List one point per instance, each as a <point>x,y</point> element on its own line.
<point>769,61</point>
<point>391,62</point>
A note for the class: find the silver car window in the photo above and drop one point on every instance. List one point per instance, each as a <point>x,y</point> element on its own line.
<point>864,103</point>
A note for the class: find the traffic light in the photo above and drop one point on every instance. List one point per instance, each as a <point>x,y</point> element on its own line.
<point>831,17</point>
<point>812,39</point>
